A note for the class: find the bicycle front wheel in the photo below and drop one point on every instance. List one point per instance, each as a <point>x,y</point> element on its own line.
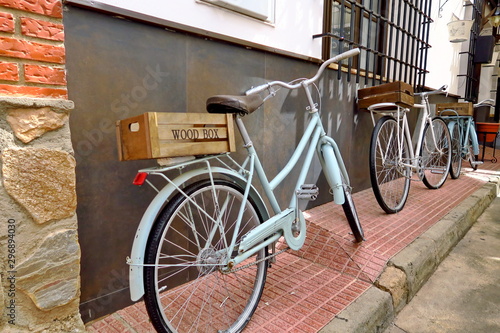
<point>186,289</point>
<point>456,150</point>
<point>436,154</point>
<point>390,172</point>
<point>472,142</point>
<point>352,216</point>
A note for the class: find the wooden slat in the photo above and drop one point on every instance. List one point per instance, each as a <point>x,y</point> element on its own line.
<point>463,109</point>
<point>193,148</point>
<point>386,88</point>
<point>399,98</point>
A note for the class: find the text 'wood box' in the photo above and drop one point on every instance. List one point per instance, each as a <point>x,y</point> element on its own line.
<point>397,92</point>
<point>167,134</point>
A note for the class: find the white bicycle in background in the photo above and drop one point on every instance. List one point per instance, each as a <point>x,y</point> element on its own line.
<point>393,159</point>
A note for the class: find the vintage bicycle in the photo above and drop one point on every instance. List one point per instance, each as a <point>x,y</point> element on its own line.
<point>465,145</point>
<point>395,158</point>
<point>203,247</point>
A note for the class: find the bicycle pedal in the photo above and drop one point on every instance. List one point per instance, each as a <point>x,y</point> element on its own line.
<point>308,192</point>
<point>475,163</point>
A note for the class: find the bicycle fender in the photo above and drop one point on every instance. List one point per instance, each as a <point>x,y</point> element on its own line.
<point>332,173</point>
<point>136,260</point>
<point>475,142</point>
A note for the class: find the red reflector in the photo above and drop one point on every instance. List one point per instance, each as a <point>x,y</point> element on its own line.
<point>140,178</point>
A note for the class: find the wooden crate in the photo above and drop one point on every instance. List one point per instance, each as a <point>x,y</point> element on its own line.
<point>397,92</point>
<point>165,134</point>
<point>463,109</point>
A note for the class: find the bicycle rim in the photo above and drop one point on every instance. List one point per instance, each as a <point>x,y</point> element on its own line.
<point>456,151</point>
<point>185,290</point>
<point>436,157</point>
<point>389,177</point>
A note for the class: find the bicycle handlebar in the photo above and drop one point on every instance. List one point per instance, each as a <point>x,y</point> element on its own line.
<point>433,92</point>
<point>485,102</point>
<point>306,82</point>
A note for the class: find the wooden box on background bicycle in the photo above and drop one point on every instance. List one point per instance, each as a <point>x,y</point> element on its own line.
<point>463,109</point>
<point>397,92</point>
<point>169,134</point>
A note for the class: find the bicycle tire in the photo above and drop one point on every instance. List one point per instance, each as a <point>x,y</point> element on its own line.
<point>436,158</point>
<point>352,215</point>
<point>456,150</point>
<point>390,179</point>
<point>472,158</point>
<point>184,289</point>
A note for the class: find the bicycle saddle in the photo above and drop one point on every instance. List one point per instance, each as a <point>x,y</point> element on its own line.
<point>234,104</point>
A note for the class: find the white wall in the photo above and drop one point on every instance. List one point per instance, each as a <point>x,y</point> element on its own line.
<point>295,21</point>
<point>443,60</point>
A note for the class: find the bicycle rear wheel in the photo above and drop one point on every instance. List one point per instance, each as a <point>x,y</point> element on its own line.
<point>436,156</point>
<point>185,288</point>
<point>456,150</point>
<point>390,177</point>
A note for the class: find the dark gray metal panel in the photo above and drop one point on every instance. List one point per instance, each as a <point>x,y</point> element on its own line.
<point>118,69</point>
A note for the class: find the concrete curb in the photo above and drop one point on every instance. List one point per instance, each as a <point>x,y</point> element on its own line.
<point>408,271</point>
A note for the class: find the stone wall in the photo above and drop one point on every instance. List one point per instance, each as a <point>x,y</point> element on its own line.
<point>39,250</point>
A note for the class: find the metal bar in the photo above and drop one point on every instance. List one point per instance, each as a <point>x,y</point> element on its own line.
<point>341,30</point>
<point>367,66</point>
<point>352,23</point>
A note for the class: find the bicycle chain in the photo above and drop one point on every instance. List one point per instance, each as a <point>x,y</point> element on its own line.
<point>256,262</point>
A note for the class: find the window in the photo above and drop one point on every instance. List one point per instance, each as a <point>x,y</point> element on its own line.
<point>393,36</point>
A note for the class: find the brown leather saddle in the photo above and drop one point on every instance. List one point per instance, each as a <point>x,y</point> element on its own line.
<point>242,105</point>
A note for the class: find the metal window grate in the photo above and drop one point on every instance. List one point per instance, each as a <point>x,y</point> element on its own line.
<point>473,70</point>
<point>392,34</point>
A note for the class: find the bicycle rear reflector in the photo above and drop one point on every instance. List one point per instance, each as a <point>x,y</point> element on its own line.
<point>140,178</point>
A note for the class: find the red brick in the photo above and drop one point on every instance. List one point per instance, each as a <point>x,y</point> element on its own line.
<point>9,71</point>
<point>44,74</point>
<point>23,49</point>
<point>42,29</point>
<point>51,8</point>
<point>6,22</point>
<point>12,90</point>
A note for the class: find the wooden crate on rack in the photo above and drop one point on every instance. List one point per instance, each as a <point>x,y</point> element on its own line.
<point>167,134</point>
<point>463,109</point>
<point>397,92</point>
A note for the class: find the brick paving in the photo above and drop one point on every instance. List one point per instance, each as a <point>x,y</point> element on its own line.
<point>306,289</point>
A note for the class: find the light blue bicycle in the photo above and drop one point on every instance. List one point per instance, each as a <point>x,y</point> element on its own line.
<point>464,141</point>
<point>202,249</point>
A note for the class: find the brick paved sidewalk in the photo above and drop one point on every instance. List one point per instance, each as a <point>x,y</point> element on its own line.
<point>306,289</point>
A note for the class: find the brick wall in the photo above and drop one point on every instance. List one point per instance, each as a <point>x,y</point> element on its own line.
<point>40,281</point>
<point>32,54</point>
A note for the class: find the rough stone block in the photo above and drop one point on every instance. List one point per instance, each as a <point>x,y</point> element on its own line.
<point>31,123</point>
<point>50,276</point>
<point>418,261</point>
<point>393,280</point>
<point>42,181</point>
